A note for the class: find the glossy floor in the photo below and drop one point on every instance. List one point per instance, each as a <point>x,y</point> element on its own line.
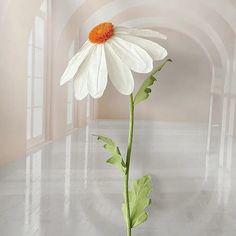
<point>66,188</point>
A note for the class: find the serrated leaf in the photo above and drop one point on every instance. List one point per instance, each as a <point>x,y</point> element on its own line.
<point>138,200</point>
<point>144,91</point>
<point>105,139</point>
<point>112,148</point>
<point>116,160</point>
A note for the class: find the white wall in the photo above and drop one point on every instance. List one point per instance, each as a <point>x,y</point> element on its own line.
<point>181,93</point>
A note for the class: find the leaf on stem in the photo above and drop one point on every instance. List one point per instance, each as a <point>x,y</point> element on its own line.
<point>138,200</point>
<point>144,91</point>
<point>112,148</point>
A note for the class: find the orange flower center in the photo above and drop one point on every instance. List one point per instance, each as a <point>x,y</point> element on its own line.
<point>101,33</point>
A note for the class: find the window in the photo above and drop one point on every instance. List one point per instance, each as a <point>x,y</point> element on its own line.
<point>36,79</point>
<point>70,93</point>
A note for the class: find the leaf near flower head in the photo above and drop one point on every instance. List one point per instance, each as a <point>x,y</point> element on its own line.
<point>144,91</point>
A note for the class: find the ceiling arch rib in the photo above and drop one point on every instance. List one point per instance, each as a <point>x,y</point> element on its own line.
<point>175,16</point>
<point>218,72</point>
<point>115,7</point>
<point>198,19</point>
<point>227,10</point>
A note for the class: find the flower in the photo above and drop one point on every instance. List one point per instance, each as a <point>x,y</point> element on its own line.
<point>113,51</point>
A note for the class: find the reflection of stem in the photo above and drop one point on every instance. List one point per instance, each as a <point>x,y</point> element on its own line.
<point>129,149</point>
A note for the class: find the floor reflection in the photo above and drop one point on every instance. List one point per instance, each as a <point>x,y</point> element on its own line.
<point>67,176</point>
<point>33,193</point>
<point>86,152</point>
<point>67,188</point>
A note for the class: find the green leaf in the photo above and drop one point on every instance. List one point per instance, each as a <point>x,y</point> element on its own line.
<point>112,148</point>
<point>144,91</point>
<point>139,200</point>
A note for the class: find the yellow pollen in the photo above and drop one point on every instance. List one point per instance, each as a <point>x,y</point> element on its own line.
<point>101,33</point>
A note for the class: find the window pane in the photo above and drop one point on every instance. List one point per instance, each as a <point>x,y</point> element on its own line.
<point>70,103</point>
<point>36,75</point>
<point>39,32</point>
<point>69,113</point>
<point>70,92</point>
<point>70,95</point>
<point>43,7</point>
<point>30,38</point>
<point>38,92</point>
<point>39,63</point>
<point>28,124</point>
<point>30,62</point>
<point>29,92</point>
<point>38,122</point>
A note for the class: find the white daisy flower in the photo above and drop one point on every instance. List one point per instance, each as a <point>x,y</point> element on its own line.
<point>114,52</point>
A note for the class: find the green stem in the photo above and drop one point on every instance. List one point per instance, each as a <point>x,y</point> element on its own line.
<point>129,149</point>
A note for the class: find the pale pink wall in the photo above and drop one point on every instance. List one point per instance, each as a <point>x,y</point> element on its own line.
<point>181,92</point>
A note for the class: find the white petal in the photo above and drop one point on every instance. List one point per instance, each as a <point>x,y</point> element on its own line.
<point>156,51</point>
<point>139,32</point>
<point>132,55</point>
<point>81,81</point>
<point>97,80</point>
<point>119,73</point>
<point>80,88</point>
<point>75,62</point>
